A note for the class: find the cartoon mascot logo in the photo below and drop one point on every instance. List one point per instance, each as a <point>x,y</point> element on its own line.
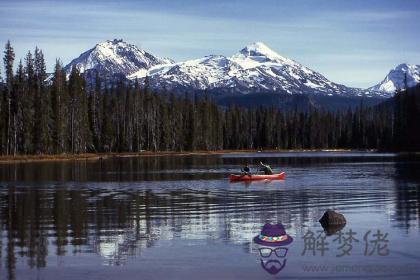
<point>272,247</point>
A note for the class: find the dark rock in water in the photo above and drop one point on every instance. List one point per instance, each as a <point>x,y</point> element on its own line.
<point>331,217</point>
<point>332,222</point>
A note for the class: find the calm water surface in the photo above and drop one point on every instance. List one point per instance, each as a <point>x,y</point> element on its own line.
<point>179,218</point>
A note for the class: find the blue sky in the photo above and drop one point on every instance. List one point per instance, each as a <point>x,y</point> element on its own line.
<point>353,42</point>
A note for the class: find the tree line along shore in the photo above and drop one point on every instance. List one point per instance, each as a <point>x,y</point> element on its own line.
<point>62,115</point>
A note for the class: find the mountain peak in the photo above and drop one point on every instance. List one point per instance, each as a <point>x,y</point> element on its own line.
<point>258,49</point>
<point>114,44</point>
<point>258,46</point>
<point>410,69</point>
<point>116,41</point>
<point>402,76</point>
<point>402,65</point>
<point>115,57</point>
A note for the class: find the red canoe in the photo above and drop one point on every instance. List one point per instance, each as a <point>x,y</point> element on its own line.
<point>234,177</point>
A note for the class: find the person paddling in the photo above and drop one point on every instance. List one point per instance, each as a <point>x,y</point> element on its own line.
<point>266,168</point>
<point>246,170</point>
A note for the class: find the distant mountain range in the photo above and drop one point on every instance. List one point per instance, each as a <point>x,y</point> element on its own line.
<point>254,69</point>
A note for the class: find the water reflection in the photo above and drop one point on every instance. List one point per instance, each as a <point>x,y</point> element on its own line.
<point>115,224</point>
<point>171,168</point>
<point>407,193</point>
<point>82,208</point>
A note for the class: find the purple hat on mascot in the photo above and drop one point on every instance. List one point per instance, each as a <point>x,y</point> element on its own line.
<point>273,236</point>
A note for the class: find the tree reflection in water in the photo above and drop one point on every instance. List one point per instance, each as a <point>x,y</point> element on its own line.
<point>116,224</point>
<point>77,208</point>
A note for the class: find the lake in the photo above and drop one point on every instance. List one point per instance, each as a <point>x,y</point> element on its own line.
<point>178,217</point>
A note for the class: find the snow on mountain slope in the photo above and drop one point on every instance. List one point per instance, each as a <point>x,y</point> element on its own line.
<point>398,78</point>
<point>256,68</point>
<point>115,57</point>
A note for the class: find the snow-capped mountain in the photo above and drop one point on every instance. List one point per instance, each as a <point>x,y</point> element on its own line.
<point>115,58</point>
<point>255,68</point>
<point>402,76</point>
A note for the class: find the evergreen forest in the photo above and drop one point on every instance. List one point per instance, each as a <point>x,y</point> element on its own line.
<point>45,113</point>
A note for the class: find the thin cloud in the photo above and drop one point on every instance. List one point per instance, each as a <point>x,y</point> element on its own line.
<point>374,16</point>
<point>323,35</point>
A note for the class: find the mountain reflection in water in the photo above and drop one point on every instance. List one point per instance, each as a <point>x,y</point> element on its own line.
<point>116,208</point>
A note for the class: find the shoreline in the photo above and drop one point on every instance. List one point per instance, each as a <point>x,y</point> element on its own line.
<point>102,156</point>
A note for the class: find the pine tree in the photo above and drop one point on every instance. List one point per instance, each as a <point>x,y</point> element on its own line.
<point>17,109</point>
<point>80,136</point>
<point>42,109</point>
<point>106,126</point>
<point>8,60</point>
<point>93,105</point>
<point>58,106</point>
<point>28,105</point>
<point>138,118</point>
